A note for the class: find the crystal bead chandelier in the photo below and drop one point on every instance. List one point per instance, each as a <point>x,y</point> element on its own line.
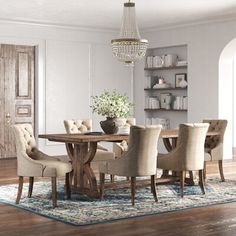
<point>129,47</point>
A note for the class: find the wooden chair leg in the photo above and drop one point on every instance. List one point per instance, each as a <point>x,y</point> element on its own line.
<point>71,177</point>
<point>182,180</point>
<point>68,186</point>
<point>112,177</point>
<point>54,191</point>
<point>191,176</point>
<point>153,187</point>
<point>20,187</point>
<point>102,180</point>
<point>201,180</point>
<point>133,186</point>
<point>31,184</point>
<point>204,170</point>
<point>220,162</point>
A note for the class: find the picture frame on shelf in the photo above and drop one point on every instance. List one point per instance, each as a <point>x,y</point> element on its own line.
<point>181,80</point>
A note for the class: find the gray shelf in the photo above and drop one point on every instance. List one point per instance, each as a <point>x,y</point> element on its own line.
<point>162,109</point>
<point>166,68</point>
<point>160,89</point>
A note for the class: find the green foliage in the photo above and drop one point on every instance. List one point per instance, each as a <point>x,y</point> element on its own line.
<point>111,104</point>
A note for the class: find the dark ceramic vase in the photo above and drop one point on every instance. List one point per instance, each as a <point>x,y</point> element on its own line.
<point>109,126</point>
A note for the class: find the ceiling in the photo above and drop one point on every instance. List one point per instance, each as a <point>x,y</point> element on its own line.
<point>107,14</point>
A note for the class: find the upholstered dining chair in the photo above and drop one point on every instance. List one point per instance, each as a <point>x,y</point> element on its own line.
<point>33,163</point>
<point>85,125</point>
<point>139,160</point>
<point>120,148</point>
<point>188,155</point>
<point>214,144</point>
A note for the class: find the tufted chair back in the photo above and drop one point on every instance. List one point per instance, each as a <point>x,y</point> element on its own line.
<point>126,122</point>
<point>78,126</point>
<point>25,140</point>
<point>215,125</point>
<point>25,143</point>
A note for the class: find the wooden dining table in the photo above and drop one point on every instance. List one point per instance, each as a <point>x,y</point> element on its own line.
<point>81,149</point>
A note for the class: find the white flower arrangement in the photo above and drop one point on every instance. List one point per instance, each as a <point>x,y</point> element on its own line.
<point>112,105</point>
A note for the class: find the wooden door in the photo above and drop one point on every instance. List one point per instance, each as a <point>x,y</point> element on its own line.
<point>16,92</point>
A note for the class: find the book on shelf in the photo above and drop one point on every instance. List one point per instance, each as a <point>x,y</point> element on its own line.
<point>148,82</point>
<point>180,103</point>
<point>165,122</point>
<point>152,103</point>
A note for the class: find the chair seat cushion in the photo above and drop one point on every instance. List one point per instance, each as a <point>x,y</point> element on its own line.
<point>207,156</point>
<point>104,155</point>
<point>55,168</point>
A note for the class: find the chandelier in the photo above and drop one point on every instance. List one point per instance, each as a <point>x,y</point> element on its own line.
<point>129,47</point>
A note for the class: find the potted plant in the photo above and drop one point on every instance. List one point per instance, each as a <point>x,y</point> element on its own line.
<point>113,105</point>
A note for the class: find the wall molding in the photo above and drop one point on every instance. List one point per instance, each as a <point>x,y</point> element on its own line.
<point>222,19</point>
<point>59,26</point>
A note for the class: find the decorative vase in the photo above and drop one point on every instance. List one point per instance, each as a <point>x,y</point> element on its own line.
<point>109,126</point>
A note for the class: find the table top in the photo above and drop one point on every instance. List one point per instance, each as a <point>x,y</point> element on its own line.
<point>81,138</point>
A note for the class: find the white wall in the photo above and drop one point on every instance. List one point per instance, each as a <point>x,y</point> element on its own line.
<point>71,65</point>
<point>205,44</point>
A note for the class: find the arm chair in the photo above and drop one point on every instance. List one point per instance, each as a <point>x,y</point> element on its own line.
<point>33,163</point>
<point>85,125</point>
<point>214,144</point>
<point>120,148</point>
<point>188,155</point>
<point>139,160</point>
<point>80,126</point>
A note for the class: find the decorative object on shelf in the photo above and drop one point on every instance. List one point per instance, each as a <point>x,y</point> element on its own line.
<point>170,60</point>
<point>112,105</point>
<point>163,99</point>
<point>129,47</point>
<point>168,100</point>
<point>181,80</point>
<point>161,83</point>
<point>165,122</point>
<point>181,63</point>
<point>158,61</point>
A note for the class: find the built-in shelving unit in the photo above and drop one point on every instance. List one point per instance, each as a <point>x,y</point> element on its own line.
<point>166,105</point>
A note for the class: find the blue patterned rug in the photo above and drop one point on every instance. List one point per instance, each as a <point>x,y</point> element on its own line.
<point>81,210</point>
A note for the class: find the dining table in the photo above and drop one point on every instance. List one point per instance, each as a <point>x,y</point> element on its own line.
<point>81,149</point>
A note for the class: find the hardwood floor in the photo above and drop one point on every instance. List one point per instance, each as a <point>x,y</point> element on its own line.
<point>213,220</point>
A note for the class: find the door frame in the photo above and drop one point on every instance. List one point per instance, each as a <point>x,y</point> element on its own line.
<point>40,58</point>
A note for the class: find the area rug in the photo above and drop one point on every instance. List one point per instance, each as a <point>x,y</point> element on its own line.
<point>81,210</point>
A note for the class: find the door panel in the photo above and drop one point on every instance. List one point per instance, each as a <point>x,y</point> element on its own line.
<point>18,82</point>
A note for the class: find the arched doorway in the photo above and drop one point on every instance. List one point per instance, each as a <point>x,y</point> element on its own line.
<point>227,96</point>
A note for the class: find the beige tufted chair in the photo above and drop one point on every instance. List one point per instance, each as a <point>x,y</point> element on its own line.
<point>120,148</point>
<point>33,163</point>
<point>81,126</point>
<point>214,144</point>
<point>85,125</point>
<point>139,160</point>
<point>188,154</point>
